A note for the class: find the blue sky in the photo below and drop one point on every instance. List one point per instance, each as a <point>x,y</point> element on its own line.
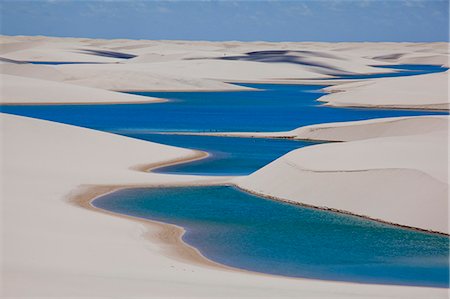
<point>310,20</point>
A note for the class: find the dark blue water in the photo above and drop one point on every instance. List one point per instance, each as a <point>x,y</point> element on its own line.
<point>228,155</point>
<point>402,70</point>
<point>249,232</point>
<point>273,108</point>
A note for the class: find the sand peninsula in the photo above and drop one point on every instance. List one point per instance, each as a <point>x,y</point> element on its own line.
<point>53,247</point>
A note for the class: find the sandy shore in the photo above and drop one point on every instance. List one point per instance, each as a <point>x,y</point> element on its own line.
<point>169,234</point>
<point>115,258</point>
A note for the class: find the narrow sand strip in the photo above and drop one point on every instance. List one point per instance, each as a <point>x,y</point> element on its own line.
<point>428,91</point>
<point>349,130</point>
<point>24,90</point>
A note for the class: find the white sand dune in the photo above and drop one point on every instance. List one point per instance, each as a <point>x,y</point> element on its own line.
<point>138,77</point>
<point>141,65</point>
<point>63,54</point>
<point>43,72</point>
<point>180,75</point>
<point>52,248</point>
<point>353,130</point>
<point>120,77</point>
<point>422,53</point>
<point>352,55</point>
<point>51,49</point>
<point>393,175</point>
<point>398,53</point>
<point>428,91</point>
<point>26,90</point>
<point>425,58</point>
<point>233,70</point>
<point>145,81</point>
<point>373,128</point>
<point>11,44</point>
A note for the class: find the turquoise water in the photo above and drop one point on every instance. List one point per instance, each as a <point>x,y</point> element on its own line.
<point>248,232</point>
